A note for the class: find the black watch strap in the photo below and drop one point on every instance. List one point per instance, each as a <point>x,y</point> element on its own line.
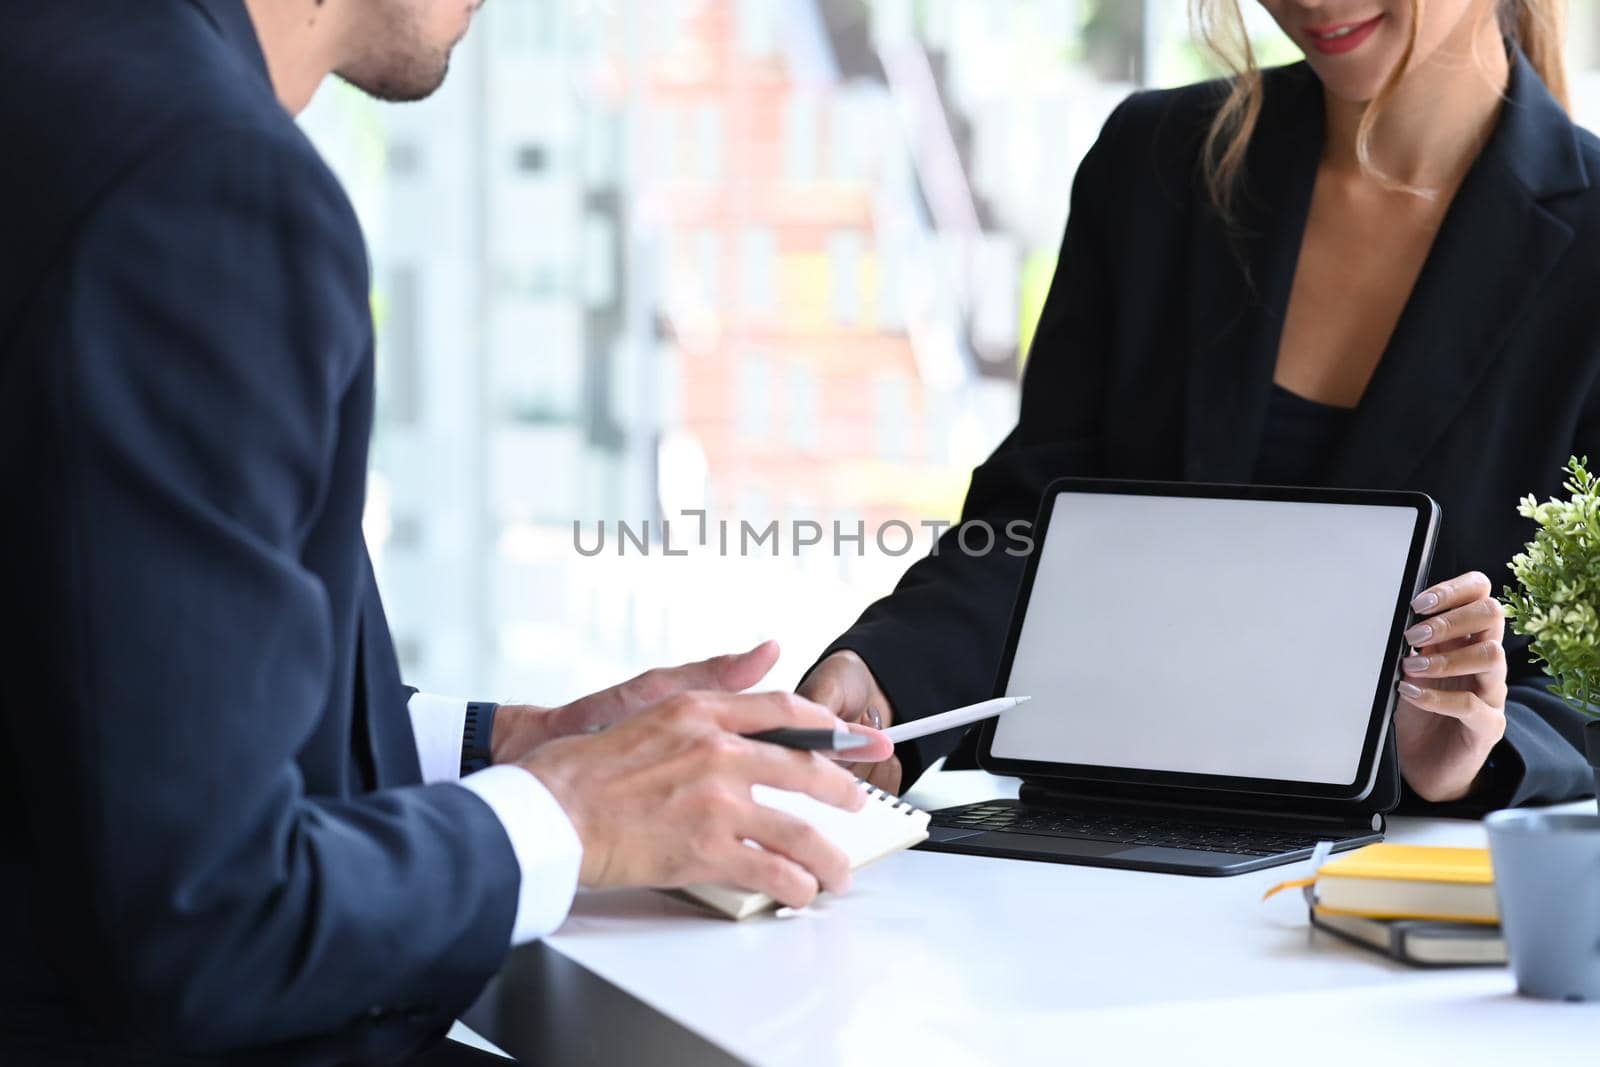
<point>475,737</point>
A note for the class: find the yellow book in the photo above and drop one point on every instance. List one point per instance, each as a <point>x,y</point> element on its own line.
<point>1387,881</point>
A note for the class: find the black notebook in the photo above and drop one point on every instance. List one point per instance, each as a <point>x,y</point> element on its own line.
<point>1419,942</point>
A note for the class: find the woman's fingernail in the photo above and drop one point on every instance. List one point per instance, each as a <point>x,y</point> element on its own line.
<point>1420,634</point>
<point>1416,664</point>
<point>1409,691</point>
<point>874,719</point>
<point>1425,601</point>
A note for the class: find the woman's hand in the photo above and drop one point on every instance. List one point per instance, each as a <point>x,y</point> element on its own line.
<point>1452,708</point>
<point>521,728</point>
<point>844,685</point>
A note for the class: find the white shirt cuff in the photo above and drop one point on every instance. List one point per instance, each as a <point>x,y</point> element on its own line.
<point>545,843</point>
<point>438,724</point>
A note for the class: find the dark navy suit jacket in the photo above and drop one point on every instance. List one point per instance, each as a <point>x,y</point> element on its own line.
<point>214,834</point>
<point>1155,354</point>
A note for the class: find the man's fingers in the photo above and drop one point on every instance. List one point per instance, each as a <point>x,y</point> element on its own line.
<point>772,873</point>
<point>881,748</point>
<point>800,842</point>
<point>731,673</point>
<point>750,713</point>
<point>737,672</point>
<point>800,772</point>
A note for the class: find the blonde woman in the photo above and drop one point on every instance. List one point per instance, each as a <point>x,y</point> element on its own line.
<point>1376,268</point>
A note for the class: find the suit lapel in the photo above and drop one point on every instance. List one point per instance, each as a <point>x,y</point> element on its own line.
<point>1497,244</point>
<point>1239,280</point>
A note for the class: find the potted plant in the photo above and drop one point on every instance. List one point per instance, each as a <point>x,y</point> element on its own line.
<point>1547,864</point>
<point>1557,602</point>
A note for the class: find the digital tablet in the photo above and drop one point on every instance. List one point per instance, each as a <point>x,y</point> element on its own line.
<point>1223,638</point>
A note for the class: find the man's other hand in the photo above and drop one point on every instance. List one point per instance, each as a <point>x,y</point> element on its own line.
<point>520,728</point>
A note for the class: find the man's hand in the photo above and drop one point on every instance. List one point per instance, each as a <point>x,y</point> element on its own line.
<point>663,798</point>
<point>520,728</point>
<point>843,684</point>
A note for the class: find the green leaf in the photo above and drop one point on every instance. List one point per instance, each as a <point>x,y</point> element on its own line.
<point>1557,593</point>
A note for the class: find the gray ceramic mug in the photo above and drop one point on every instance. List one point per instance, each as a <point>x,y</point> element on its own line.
<point>1547,876</point>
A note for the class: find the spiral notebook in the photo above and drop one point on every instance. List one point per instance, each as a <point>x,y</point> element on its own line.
<point>885,825</point>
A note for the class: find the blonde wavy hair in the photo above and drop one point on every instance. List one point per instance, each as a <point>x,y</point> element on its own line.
<point>1537,26</point>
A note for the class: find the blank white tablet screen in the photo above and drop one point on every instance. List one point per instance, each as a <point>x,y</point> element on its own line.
<point>1230,637</point>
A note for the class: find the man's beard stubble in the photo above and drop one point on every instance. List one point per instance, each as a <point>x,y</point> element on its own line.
<point>399,66</point>
<point>401,87</point>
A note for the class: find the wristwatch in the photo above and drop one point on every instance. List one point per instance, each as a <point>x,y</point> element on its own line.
<point>475,737</point>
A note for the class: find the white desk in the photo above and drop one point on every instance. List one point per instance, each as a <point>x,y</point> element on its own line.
<point>936,959</point>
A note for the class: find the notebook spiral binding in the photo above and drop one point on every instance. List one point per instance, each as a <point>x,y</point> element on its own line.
<point>888,798</point>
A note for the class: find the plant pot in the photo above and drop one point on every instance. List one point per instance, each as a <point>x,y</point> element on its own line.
<point>1591,746</point>
<point>1547,877</point>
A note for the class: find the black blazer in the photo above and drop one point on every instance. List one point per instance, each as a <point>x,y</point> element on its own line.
<point>213,834</point>
<point>1156,349</point>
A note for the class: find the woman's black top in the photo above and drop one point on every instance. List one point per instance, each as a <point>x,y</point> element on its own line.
<point>1298,438</point>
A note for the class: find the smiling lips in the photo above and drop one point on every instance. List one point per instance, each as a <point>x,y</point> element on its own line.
<point>1339,38</point>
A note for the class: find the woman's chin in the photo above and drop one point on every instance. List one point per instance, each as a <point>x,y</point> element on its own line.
<point>1350,87</point>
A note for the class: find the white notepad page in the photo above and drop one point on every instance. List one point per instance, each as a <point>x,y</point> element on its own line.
<point>886,824</point>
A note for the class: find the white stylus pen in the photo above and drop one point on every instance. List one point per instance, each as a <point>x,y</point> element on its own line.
<point>949,720</point>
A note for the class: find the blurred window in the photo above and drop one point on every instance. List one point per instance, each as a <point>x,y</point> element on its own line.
<point>758,255</point>
<point>752,398</point>
<point>845,249</point>
<point>805,408</point>
<point>722,244</point>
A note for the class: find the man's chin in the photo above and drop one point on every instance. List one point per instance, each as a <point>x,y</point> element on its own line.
<point>415,85</point>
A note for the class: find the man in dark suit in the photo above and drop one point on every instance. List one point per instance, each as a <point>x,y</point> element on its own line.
<point>231,832</point>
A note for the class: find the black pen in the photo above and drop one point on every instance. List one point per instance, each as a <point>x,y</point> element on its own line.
<point>835,740</point>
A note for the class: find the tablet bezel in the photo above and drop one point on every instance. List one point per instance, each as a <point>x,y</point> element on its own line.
<point>1419,558</point>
